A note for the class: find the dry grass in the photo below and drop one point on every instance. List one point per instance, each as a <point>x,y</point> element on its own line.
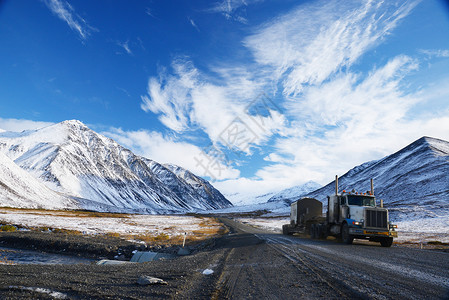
<point>66,213</point>
<point>196,229</point>
<point>210,227</point>
<point>166,239</point>
<point>66,231</point>
<point>437,243</point>
<point>3,259</point>
<point>112,234</point>
<point>8,228</point>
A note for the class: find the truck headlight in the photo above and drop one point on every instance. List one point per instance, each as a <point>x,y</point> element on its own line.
<point>357,223</point>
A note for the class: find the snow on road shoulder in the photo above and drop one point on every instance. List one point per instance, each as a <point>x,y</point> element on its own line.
<point>270,224</point>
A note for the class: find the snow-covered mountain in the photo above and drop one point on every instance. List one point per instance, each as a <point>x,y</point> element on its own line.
<point>72,159</point>
<point>198,185</point>
<point>249,198</point>
<point>277,201</point>
<point>294,193</point>
<point>413,182</point>
<point>20,189</point>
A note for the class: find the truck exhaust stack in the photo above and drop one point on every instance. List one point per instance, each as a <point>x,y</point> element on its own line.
<point>336,185</point>
<point>372,187</point>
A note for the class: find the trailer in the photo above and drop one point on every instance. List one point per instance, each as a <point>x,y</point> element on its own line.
<point>349,216</point>
<point>303,214</point>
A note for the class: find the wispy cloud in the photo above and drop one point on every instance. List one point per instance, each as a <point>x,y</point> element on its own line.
<point>333,116</point>
<point>233,9</point>
<point>306,46</point>
<point>18,125</point>
<point>193,24</point>
<point>170,95</point>
<point>149,12</point>
<point>63,10</point>
<point>124,91</point>
<point>189,99</point>
<point>125,46</point>
<point>353,120</point>
<point>165,149</point>
<point>435,52</point>
<point>347,121</point>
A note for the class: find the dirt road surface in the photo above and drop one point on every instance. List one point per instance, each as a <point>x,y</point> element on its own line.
<point>248,264</point>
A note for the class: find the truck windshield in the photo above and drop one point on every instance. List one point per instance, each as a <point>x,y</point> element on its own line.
<point>361,200</point>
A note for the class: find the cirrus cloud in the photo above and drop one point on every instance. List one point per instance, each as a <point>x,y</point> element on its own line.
<point>63,10</point>
<point>332,115</point>
<point>309,44</point>
<point>165,149</point>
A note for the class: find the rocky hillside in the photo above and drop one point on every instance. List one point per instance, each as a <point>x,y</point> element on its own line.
<point>72,159</point>
<point>414,180</point>
<point>20,189</point>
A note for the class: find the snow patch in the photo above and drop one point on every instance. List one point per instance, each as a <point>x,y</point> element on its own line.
<point>54,294</point>
<point>208,272</point>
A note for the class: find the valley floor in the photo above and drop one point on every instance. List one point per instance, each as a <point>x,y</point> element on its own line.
<point>248,263</point>
<point>143,229</point>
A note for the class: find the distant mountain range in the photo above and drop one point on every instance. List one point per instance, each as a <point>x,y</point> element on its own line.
<point>67,165</point>
<point>73,166</point>
<point>294,193</point>
<point>413,181</point>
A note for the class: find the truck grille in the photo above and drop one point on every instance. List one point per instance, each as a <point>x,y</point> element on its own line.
<point>376,219</point>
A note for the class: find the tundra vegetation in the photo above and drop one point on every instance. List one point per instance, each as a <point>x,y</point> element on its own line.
<point>149,229</point>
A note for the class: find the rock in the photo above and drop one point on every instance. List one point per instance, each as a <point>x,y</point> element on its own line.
<point>149,256</point>
<point>148,280</point>
<point>112,262</point>
<point>120,257</point>
<point>183,251</point>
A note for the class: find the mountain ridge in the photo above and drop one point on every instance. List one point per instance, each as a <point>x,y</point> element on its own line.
<point>294,193</point>
<point>413,180</point>
<point>73,159</point>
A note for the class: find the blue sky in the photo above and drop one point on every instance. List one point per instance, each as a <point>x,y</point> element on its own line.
<point>254,95</point>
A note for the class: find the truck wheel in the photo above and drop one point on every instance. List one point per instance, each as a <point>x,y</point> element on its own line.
<point>313,232</point>
<point>386,242</point>
<point>345,236</point>
<point>322,231</point>
<point>285,230</point>
<point>319,231</point>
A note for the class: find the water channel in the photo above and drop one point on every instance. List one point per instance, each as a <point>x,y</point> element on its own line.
<point>19,256</point>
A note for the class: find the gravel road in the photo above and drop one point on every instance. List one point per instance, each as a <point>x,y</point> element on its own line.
<point>248,264</point>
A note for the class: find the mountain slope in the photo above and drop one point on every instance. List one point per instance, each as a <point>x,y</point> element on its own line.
<point>294,193</point>
<point>414,180</point>
<point>72,159</point>
<point>20,189</point>
<point>200,186</point>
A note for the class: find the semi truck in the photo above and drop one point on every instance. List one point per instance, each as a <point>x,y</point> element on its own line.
<point>350,215</point>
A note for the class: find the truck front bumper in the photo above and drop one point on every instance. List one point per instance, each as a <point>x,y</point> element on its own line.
<point>372,232</point>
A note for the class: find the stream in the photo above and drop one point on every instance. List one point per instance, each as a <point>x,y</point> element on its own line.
<point>19,256</point>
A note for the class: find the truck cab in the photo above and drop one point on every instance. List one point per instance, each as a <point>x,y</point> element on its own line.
<point>356,215</point>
